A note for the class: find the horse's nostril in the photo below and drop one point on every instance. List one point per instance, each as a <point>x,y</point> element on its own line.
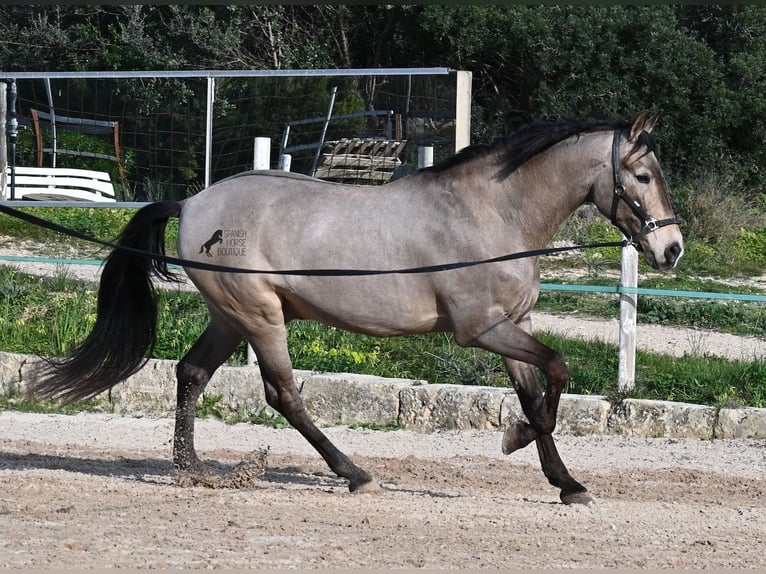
<point>673,252</point>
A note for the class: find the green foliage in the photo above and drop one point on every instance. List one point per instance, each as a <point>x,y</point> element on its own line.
<point>585,227</point>
<point>750,246</point>
<point>701,65</point>
<point>182,319</point>
<point>737,317</point>
<point>694,63</point>
<point>209,406</point>
<point>318,348</point>
<point>601,231</point>
<point>740,317</point>
<point>39,320</point>
<point>266,417</point>
<point>99,222</point>
<point>693,378</point>
<point>702,380</point>
<point>375,426</point>
<point>18,402</point>
<point>82,145</point>
<point>103,223</point>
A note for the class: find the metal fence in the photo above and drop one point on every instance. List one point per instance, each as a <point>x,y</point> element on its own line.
<point>169,134</point>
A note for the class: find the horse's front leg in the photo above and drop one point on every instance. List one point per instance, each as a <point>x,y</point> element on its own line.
<point>521,433</point>
<point>523,355</point>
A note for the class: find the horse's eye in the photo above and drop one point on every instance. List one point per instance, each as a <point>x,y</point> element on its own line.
<point>643,178</point>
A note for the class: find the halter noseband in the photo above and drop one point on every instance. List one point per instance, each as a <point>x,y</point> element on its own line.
<point>650,223</point>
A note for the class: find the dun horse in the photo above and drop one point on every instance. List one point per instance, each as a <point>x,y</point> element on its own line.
<point>488,200</point>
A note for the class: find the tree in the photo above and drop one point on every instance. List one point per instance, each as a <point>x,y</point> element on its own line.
<point>700,65</point>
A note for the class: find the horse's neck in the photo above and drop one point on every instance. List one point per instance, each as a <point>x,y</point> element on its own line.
<point>542,193</point>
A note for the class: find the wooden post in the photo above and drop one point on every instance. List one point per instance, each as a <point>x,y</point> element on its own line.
<point>463,110</point>
<point>626,374</point>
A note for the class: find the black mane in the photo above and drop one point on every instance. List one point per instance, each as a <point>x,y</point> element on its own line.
<point>516,148</point>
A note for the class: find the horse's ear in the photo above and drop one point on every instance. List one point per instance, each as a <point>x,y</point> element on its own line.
<point>644,122</point>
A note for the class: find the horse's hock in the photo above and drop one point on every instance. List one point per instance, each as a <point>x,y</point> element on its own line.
<point>347,399</point>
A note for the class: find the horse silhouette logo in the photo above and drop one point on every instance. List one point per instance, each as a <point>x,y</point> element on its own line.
<point>217,237</point>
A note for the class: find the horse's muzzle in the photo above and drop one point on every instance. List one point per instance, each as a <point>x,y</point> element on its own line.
<point>670,256</point>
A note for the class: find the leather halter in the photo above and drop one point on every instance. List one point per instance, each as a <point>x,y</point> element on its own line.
<point>650,223</point>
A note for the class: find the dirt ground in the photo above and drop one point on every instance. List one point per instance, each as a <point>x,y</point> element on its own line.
<point>91,491</point>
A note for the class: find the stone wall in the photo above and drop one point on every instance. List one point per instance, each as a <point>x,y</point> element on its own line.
<point>346,399</point>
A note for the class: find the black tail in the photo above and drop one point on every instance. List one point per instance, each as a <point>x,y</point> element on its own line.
<point>126,322</point>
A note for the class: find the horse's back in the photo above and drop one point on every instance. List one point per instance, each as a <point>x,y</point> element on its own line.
<point>276,219</point>
<point>272,173</point>
<point>257,182</point>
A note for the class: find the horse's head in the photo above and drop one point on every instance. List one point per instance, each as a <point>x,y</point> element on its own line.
<point>635,195</point>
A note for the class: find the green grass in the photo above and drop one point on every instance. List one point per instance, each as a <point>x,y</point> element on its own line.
<point>211,406</point>
<point>17,402</point>
<point>698,379</point>
<point>102,223</point>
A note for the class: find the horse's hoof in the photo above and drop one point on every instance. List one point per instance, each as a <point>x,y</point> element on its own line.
<point>516,436</point>
<point>190,478</point>
<point>246,475</point>
<point>368,487</point>
<point>579,497</point>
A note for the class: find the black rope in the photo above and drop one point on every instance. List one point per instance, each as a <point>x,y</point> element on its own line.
<point>34,220</point>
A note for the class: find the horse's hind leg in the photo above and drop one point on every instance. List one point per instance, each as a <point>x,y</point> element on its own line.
<point>214,346</point>
<point>270,345</point>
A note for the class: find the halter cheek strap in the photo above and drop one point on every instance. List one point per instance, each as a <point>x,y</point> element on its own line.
<point>650,223</point>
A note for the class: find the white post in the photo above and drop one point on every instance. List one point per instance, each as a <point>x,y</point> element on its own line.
<point>463,110</point>
<point>261,160</point>
<point>626,374</point>
<point>3,146</point>
<point>209,131</point>
<point>262,153</point>
<point>285,161</point>
<point>425,156</point>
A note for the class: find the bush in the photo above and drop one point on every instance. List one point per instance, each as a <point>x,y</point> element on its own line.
<point>724,225</point>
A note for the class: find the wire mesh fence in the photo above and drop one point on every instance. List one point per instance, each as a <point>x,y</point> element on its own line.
<point>166,135</point>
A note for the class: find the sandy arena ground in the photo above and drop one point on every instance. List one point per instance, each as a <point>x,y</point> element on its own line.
<point>91,491</point>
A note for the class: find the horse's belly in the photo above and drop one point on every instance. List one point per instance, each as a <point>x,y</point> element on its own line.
<point>364,306</point>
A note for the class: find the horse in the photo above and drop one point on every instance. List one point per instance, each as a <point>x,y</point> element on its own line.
<point>507,196</point>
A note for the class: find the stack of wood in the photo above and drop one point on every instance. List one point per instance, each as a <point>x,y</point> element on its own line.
<point>360,160</point>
